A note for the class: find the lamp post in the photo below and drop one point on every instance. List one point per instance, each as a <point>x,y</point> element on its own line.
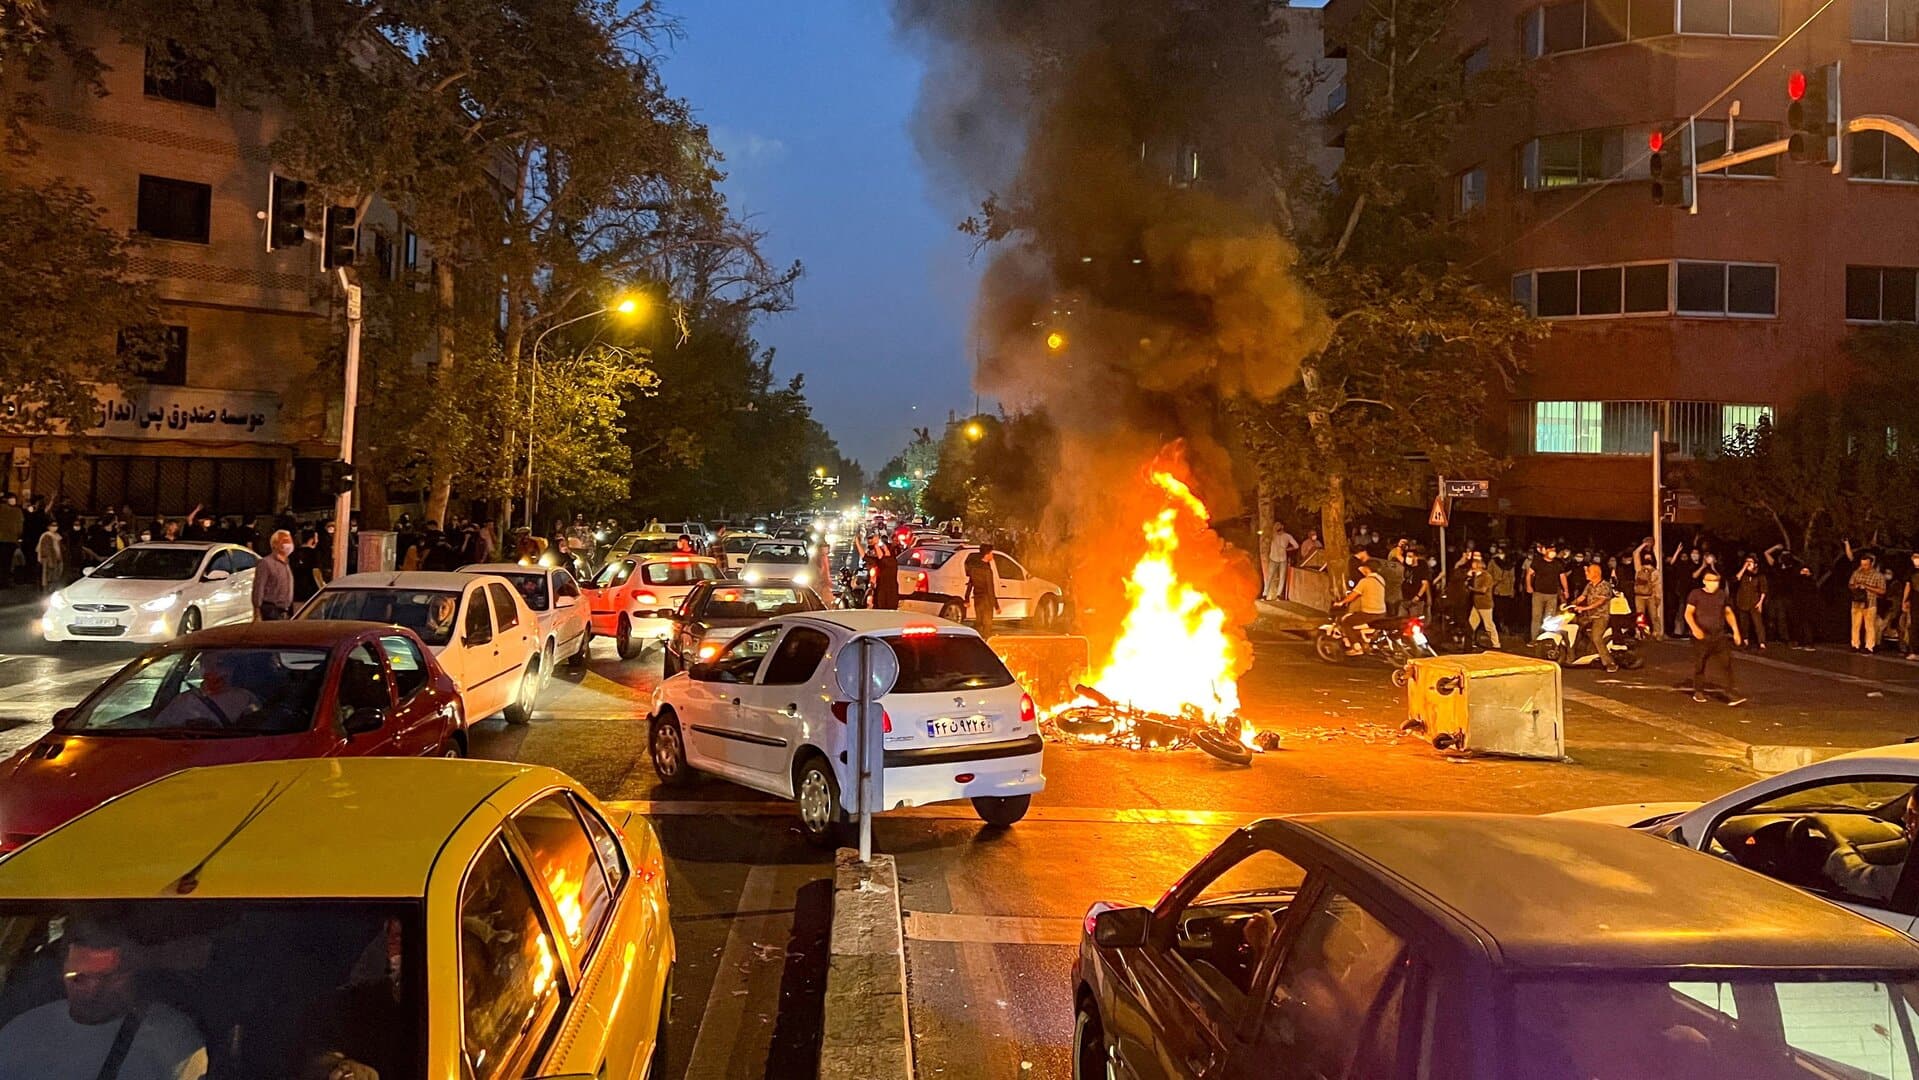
<point>626,305</point>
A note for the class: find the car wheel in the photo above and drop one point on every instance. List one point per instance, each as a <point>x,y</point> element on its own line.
<point>1089,1044</point>
<point>546,658</point>
<point>1000,811</point>
<point>623,639</point>
<point>189,621</point>
<point>578,659</point>
<point>953,612</point>
<point>1401,676</point>
<point>666,745</point>
<point>1047,617</point>
<point>818,793</point>
<point>520,710</point>
<point>455,746</point>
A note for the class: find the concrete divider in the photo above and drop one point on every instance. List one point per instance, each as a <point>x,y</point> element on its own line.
<point>867,1031</point>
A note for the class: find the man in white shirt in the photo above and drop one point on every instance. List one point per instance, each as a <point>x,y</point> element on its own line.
<point>104,1028</point>
<point>1279,555</point>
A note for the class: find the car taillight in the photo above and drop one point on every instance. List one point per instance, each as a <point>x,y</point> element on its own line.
<point>922,583</point>
<point>1027,712</point>
<point>645,598</point>
<point>843,712</point>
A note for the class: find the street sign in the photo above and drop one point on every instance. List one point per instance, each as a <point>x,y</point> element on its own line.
<point>1439,515</point>
<point>1469,489</point>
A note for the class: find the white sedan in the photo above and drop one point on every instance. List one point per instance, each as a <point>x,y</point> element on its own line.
<point>555,598</point>
<point>480,629</point>
<point>154,592</point>
<point>933,580</point>
<point>767,713</point>
<point>1841,828</point>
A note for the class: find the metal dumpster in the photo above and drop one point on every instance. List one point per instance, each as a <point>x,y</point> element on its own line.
<point>1489,703</point>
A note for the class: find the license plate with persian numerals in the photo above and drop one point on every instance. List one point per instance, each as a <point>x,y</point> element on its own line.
<point>958,725</point>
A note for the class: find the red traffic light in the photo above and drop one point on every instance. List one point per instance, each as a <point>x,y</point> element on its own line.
<point>1796,85</point>
<point>1657,141</point>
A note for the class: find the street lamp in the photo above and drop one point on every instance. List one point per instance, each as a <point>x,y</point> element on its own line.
<point>628,305</point>
<point>974,431</point>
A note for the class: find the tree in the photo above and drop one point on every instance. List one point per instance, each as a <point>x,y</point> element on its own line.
<point>65,288</point>
<point>1417,346</point>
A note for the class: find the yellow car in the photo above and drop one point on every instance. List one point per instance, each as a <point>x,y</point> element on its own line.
<point>369,918</point>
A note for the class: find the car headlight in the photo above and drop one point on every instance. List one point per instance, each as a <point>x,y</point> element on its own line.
<point>161,603</point>
<point>709,650</point>
<point>751,577</point>
<point>56,600</point>
<point>802,578</point>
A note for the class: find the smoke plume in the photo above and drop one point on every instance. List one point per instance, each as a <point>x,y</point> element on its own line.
<point>1125,157</point>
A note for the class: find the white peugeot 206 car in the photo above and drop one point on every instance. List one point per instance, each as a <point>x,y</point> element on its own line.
<point>1842,828</point>
<point>767,712</point>
<point>154,592</point>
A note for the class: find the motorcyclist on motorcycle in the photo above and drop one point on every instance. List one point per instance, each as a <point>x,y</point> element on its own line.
<point>1593,609</point>
<point>1365,603</point>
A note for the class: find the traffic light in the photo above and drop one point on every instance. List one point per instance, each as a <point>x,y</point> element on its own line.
<point>1671,184</point>
<point>1812,118</point>
<point>1668,504</point>
<point>342,237</point>
<point>336,477</point>
<point>286,212</point>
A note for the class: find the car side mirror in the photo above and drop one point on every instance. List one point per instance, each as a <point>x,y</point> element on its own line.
<point>1122,928</point>
<point>60,716</point>
<point>365,719</point>
<point>87,571</point>
<point>702,672</point>
<point>216,575</point>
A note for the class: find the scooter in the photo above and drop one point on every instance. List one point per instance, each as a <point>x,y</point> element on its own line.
<point>1561,641</point>
<point>1396,642</point>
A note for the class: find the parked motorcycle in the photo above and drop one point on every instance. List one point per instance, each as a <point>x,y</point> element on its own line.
<point>850,588</point>
<point>1562,642</point>
<point>1389,639</point>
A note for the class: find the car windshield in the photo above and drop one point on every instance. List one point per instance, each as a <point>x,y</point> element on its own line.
<point>790,554</point>
<point>927,557</point>
<point>207,693</point>
<point>242,988</point>
<point>1658,1025</point>
<point>656,546</point>
<point>152,564</point>
<point>676,573</point>
<point>751,603</point>
<point>531,587</point>
<point>942,663</point>
<point>429,613</point>
<point>739,544</point>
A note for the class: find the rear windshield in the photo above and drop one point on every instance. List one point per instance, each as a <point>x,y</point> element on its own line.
<point>930,558</point>
<point>735,602</point>
<point>676,573</point>
<point>1654,1026</point>
<point>943,663</point>
<point>790,554</point>
<point>210,694</point>
<point>427,612</point>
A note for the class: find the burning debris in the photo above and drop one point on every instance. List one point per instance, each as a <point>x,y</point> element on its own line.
<point>1096,718</point>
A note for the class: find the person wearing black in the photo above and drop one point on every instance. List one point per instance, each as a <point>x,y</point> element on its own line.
<point>883,571</point>
<point>1750,591</point>
<point>305,562</point>
<point>1709,618</point>
<point>1546,581</point>
<point>982,588</point>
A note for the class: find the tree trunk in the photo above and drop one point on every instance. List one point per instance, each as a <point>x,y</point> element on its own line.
<point>512,437</point>
<point>375,511</point>
<point>440,479</point>
<point>1332,508</point>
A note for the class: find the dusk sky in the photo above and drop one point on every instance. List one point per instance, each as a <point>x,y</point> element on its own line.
<point>810,104</point>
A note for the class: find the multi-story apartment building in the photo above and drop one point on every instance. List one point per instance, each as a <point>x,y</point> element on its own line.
<point>1686,323</point>
<point>244,409</point>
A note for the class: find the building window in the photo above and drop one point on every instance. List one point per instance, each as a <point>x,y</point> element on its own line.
<point>1336,97</point>
<point>1476,60</point>
<point>1624,428</point>
<point>1595,291</point>
<point>170,75</point>
<point>1710,137</point>
<point>1585,157</point>
<point>162,362</point>
<point>1588,24</point>
<point>1739,290</point>
<point>1469,191</point>
<point>1737,18</point>
<point>1875,155</point>
<point>1885,20</point>
<point>410,251</point>
<point>386,255</point>
<point>1568,427</point>
<point>175,209</point>
<point>1882,294</point>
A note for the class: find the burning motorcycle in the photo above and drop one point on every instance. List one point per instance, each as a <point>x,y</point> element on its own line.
<point>1561,641</point>
<point>1395,641</point>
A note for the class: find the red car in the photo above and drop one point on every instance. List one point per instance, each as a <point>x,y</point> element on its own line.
<point>234,693</point>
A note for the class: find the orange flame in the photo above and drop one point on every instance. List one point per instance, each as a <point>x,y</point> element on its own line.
<point>1176,648</point>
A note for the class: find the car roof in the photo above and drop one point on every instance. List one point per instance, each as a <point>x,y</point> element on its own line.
<point>504,568</point>
<point>1596,896</point>
<point>354,827</point>
<point>185,545</point>
<point>292,632</point>
<point>403,579</point>
<point>871,621</point>
<point>1897,757</point>
<point>669,556</point>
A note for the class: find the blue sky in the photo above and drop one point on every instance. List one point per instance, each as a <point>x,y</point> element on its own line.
<point>810,101</point>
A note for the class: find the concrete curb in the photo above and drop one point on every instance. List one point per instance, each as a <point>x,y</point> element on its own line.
<point>866,1033</point>
<point>1769,760</point>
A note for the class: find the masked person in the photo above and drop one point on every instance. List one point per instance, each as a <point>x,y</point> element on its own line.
<point>982,588</point>
<point>106,1027</point>
<point>273,580</point>
<point>1594,609</point>
<point>1865,587</point>
<point>1709,619</point>
<point>1365,603</point>
<point>1479,585</point>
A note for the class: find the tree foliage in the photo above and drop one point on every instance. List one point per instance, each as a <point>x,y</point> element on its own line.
<point>65,288</point>
<point>997,482</point>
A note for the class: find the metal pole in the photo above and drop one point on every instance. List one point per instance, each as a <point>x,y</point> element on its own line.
<point>343,504</point>
<point>1445,568</point>
<point>533,381</point>
<point>1658,538</point>
<point>866,754</point>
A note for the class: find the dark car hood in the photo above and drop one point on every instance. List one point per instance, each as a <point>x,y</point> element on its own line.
<point>60,777</point>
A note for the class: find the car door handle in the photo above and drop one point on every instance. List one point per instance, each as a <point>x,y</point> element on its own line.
<point>791,710</point>
<point>736,703</point>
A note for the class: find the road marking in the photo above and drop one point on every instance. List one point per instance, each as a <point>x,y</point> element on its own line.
<point>1101,815</point>
<point>1693,732</point>
<point>992,929</point>
<point>722,1031</point>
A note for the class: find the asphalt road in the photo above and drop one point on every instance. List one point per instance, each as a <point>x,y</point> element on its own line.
<point>992,913</point>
